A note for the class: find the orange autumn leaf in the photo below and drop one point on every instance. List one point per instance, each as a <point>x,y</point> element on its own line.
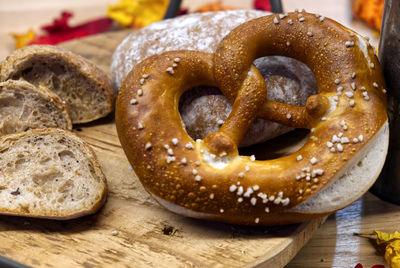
<point>22,40</point>
<point>137,13</point>
<point>216,6</point>
<point>370,11</point>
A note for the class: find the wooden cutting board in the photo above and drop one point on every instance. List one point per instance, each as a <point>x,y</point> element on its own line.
<point>132,230</point>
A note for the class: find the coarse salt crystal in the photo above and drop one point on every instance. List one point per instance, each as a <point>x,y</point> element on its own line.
<point>170,70</point>
<point>147,146</point>
<point>189,145</point>
<point>339,147</point>
<point>313,160</point>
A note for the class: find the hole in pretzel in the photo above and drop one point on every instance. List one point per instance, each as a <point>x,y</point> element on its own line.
<point>280,146</point>
<point>203,109</point>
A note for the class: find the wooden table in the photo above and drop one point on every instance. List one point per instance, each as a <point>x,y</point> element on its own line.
<point>333,245</point>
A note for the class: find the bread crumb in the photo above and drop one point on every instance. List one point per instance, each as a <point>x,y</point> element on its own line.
<point>114,232</point>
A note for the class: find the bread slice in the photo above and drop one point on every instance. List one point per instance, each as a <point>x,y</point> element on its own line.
<point>354,180</point>
<point>24,106</point>
<point>49,173</point>
<point>85,88</point>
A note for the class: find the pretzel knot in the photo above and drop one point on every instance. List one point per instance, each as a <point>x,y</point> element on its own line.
<point>209,179</point>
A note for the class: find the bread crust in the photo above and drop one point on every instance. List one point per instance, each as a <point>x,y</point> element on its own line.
<point>239,189</point>
<point>60,214</point>
<point>14,64</point>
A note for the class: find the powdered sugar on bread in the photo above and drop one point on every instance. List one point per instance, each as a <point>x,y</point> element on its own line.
<point>199,31</point>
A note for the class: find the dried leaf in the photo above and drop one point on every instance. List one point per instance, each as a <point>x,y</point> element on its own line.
<point>22,40</point>
<point>216,6</point>
<point>137,13</point>
<point>382,237</point>
<point>392,253</point>
<point>391,241</point>
<point>59,30</point>
<point>262,5</point>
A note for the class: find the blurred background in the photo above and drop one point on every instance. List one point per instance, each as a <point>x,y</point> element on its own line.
<point>23,22</point>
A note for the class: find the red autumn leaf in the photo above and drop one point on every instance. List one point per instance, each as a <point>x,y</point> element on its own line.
<point>263,5</point>
<point>60,31</point>
<point>60,24</point>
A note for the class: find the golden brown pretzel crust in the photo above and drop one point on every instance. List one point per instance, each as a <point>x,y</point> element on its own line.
<point>238,189</point>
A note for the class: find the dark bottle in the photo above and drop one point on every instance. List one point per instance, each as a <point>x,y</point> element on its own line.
<point>387,187</point>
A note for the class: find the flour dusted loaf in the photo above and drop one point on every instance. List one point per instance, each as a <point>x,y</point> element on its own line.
<point>49,173</point>
<point>84,87</point>
<point>204,109</point>
<point>24,106</point>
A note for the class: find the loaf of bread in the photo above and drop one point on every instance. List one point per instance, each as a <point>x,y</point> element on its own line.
<point>24,106</point>
<point>204,109</point>
<point>83,86</point>
<point>49,173</point>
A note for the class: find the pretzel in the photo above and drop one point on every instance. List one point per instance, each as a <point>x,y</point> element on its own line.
<point>208,178</point>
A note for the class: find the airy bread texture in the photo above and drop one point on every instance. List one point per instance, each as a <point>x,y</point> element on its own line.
<point>354,180</point>
<point>83,86</point>
<point>24,106</point>
<point>49,173</point>
<point>204,109</point>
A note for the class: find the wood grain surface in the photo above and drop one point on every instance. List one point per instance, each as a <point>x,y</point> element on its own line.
<point>132,230</point>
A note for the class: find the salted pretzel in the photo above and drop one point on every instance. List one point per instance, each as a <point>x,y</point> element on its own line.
<point>208,178</point>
